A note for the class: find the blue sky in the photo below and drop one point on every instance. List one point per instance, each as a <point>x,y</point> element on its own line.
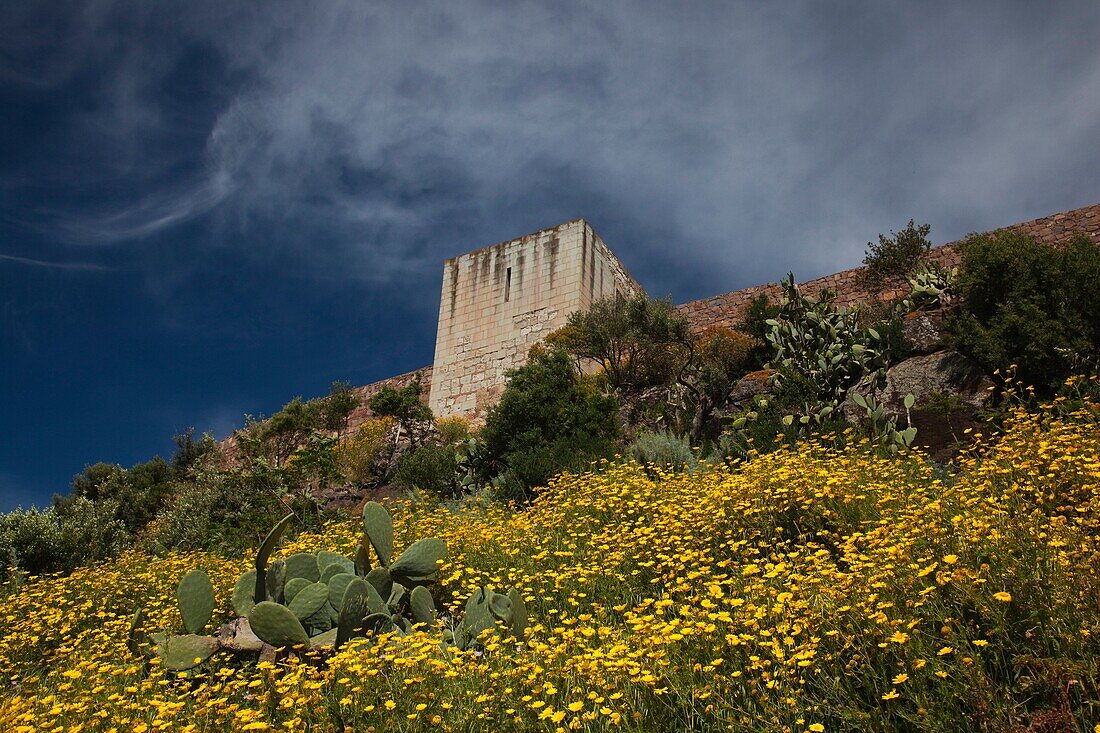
<point>207,208</point>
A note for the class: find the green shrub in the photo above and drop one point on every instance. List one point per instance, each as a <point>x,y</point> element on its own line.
<point>404,406</point>
<point>43,541</point>
<point>663,450</point>
<point>1028,304</point>
<point>359,457</point>
<point>895,257</point>
<point>638,342</point>
<point>452,430</point>
<point>432,468</point>
<point>229,510</point>
<point>534,465</point>
<point>138,493</point>
<point>755,324</point>
<point>548,419</point>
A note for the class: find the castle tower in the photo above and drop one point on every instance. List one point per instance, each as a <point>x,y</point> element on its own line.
<point>499,301</point>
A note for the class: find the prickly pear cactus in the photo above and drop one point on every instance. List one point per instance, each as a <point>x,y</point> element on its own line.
<point>420,561</point>
<point>318,600</point>
<point>486,610</point>
<point>196,600</point>
<point>244,593</point>
<point>378,530</point>
<point>181,653</point>
<point>277,625</point>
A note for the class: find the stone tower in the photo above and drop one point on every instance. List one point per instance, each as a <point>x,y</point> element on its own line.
<point>500,300</point>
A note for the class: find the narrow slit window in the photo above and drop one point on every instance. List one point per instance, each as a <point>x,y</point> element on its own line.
<point>507,284</point>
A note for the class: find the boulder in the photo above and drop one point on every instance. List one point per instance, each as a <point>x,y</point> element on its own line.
<point>237,636</point>
<point>923,331</point>
<point>749,386</point>
<point>950,389</point>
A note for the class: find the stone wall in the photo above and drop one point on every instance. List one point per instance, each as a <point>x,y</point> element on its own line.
<point>498,301</point>
<point>720,310</point>
<point>363,413</point>
<point>728,309</point>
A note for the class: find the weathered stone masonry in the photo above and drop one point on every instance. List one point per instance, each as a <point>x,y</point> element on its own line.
<point>728,309</point>
<point>500,300</point>
<point>565,268</point>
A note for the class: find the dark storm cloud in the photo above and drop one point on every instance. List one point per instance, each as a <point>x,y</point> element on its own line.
<point>269,188</point>
<point>749,138</point>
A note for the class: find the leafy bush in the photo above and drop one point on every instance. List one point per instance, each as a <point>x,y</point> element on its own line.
<point>452,430</point>
<point>44,541</point>
<point>663,450</point>
<point>229,509</point>
<point>548,419</point>
<point>138,493</point>
<point>755,324</point>
<point>404,406</point>
<point>359,456</point>
<point>276,438</point>
<point>1028,304</point>
<point>769,422</point>
<point>432,468</point>
<point>637,342</point>
<point>893,258</point>
<point>719,357</point>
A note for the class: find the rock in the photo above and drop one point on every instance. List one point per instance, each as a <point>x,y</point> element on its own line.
<point>923,331</point>
<point>237,636</point>
<point>749,386</point>
<point>949,389</point>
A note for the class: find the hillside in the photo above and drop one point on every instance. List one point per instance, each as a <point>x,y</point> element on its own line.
<point>814,588</point>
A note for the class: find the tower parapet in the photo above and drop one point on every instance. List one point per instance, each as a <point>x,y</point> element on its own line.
<point>500,300</point>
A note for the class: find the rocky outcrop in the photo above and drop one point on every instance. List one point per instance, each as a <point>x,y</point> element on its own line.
<point>923,331</point>
<point>749,386</point>
<point>950,389</point>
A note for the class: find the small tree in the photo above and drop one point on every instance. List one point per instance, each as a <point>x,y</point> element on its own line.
<point>404,406</point>
<point>719,358</point>
<point>337,407</point>
<point>277,437</point>
<point>894,257</point>
<point>637,341</point>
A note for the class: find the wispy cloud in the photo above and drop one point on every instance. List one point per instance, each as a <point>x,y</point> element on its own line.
<point>53,265</point>
<point>379,137</point>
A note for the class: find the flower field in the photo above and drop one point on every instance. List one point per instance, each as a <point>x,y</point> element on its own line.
<point>811,589</point>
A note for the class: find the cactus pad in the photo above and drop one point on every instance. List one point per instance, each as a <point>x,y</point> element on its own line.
<point>378,527</point>
<point>181,653</point>
<point>422,605</point>
<point>519,613</point>
<point>309,600</point>
<point>293,587</point>
<point>244,593</point>
<point>303,565</point>
<point>337,586</point>
<point>382,581</point>
<point>420,560</point>
<point>326,558</point>
<point>276,625</point>
<point>196,600</point>
<point>264,554</point>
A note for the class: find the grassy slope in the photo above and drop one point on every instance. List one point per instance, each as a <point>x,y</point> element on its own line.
<point>809,589</point>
